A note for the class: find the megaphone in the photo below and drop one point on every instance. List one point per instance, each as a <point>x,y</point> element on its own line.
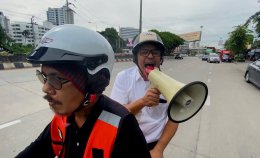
<point>185,101</point>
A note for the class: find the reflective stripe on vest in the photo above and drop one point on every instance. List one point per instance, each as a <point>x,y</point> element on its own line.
<point>102,135</point>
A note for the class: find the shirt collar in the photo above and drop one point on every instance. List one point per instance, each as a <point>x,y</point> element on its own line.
<point>138,75</point>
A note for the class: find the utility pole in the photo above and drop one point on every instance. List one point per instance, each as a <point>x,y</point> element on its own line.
<point>140,22</point>
<point>119,42</point>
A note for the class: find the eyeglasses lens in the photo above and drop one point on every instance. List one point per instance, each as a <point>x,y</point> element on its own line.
<point>146,52</point>
<point>51,80</point>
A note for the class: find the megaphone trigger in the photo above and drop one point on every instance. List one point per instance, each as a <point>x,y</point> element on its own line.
<point>162,100</point>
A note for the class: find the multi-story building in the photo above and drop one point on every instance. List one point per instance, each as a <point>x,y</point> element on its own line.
<point>5,23</point>
<point>60,16</point>
<point>34,32</point>
<point>128,34</point>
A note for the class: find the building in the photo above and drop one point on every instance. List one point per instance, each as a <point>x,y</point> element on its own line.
<point>5,23</point>
<point>60,16</point>
<point>35,32</point>
<point>128,34</point>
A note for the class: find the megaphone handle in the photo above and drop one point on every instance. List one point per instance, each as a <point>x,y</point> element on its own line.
<point>162,100</point>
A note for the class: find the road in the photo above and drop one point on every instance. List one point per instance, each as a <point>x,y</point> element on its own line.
<point>227,126</point>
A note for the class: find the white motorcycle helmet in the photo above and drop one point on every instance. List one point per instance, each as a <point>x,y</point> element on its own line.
<point>71,44</point>
<point>61,44</point>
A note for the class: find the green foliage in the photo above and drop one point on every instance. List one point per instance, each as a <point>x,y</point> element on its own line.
<point>239,39</point>
<point>113,38</point>
<point>4,39</point>
<point>170,40</point>
<point>21,49</point>
<point>255,19</point>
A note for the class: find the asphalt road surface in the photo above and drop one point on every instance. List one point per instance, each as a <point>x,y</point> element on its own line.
<point>228,125</point>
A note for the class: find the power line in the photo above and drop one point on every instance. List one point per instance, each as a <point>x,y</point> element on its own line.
<point>11,14</point>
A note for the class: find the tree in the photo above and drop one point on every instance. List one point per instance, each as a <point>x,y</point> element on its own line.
<point>239,39</point>
<point>26,34</point>
<point>4,39</point>
<point>113,38</point>
<point>255,19</point>
<point>170,40</point>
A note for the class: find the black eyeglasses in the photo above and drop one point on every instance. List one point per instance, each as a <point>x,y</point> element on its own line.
<point>53,80</point>
<point>146,52</point>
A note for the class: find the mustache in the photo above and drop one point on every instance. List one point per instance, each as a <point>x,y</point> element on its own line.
<point>50,99</point>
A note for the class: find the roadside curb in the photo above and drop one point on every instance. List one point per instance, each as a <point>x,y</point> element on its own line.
<point>124,60</point>
<point>19,65</point>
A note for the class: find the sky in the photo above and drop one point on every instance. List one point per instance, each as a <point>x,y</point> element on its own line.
<point>218,17</point>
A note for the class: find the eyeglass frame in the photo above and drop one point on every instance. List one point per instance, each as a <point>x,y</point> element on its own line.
<point>44,78</point>
<point>149,51</point>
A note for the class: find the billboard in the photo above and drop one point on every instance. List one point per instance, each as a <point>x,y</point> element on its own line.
<point>192,36</point>
<point>129,42</point>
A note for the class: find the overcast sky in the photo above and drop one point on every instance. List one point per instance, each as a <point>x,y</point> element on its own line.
<point>218,17</point>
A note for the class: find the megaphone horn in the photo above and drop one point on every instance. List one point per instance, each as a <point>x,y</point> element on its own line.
<point>185,101</point>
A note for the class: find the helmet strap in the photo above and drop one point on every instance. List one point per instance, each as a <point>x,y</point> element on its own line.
<point>89,99</point>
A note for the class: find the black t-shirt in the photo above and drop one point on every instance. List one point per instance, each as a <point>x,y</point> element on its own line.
<point>129,143</point>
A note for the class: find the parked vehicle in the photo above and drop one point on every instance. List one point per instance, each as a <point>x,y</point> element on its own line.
<point>213,58</point>
<point>254,54</point>
<point>178,56</point>
<point>253,73</point>
<point>240,58</point>
<point>205,57</point>
<point>226,56</point>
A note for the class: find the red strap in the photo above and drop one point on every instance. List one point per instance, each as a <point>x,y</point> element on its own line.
<point>58,130</point>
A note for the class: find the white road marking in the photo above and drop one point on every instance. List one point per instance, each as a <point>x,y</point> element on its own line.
<point>210,72</point>
<point>10,124</point>
<point>207,103</point>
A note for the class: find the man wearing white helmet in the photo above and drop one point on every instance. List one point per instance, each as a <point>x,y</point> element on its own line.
<point>76,67</point>
<point>132,89</point>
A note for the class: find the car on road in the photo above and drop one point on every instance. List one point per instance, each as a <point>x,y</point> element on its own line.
<point>205,57</point>
<point>178,56</point>
<point>213,58</point>
<point>227,58</point>
<point>253,73</point>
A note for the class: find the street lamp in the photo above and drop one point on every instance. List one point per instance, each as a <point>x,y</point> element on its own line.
<point>93,23</point>
<point>200,33</point>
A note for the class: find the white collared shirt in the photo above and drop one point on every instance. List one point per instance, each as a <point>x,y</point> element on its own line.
<point>129,86</point>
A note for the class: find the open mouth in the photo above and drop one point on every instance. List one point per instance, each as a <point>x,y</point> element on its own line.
<point>149,65</point>
<point>149,68</point>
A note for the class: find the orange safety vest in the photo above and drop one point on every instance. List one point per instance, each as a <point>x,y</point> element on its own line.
<point>102,135</point>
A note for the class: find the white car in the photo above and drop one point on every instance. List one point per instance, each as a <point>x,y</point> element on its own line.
<point>213,58</point>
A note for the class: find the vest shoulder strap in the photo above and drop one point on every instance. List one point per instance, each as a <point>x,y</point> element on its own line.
<point>103,134</point>
<point>58,131</point>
